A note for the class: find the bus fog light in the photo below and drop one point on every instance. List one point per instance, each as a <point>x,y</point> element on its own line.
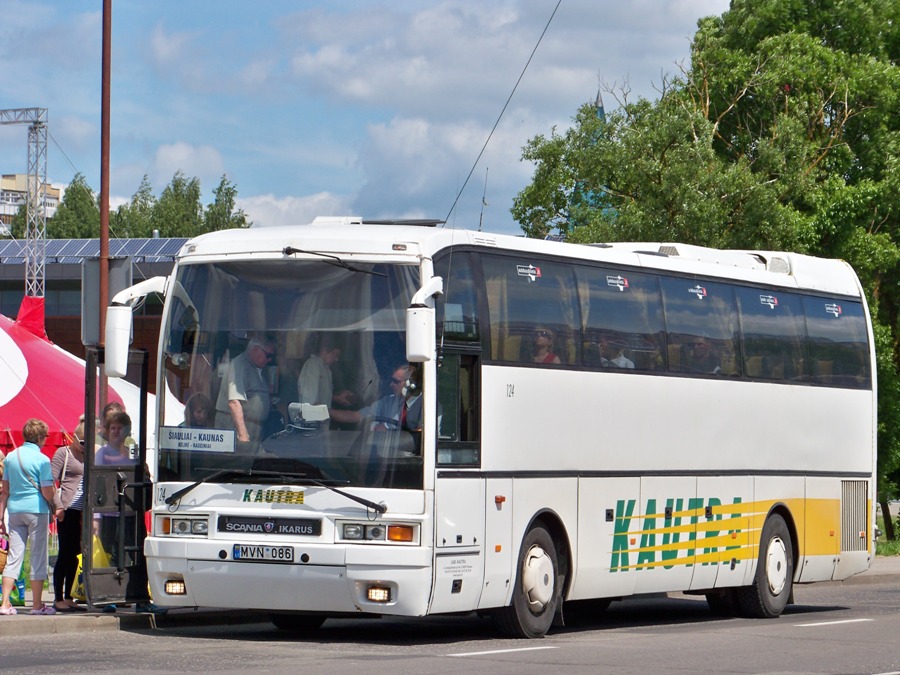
<point>374,532</point>
<point>181,526</point>
<point>175,587</point>
<point>378,594</point>
<point>353,531</point>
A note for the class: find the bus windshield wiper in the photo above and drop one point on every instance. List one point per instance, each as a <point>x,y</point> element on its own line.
<point>175,496</point>
<point>378,508</point>
<point>332,260</point>
<point>275,476</point>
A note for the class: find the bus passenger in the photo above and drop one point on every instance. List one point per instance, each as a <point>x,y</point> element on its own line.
<point>316,383</point>
<point>543,346</point>
<point>117,449</point>
<point>612,354</point>
<point>700,357</point>
<point>243,403</point>
<point>199,412</point>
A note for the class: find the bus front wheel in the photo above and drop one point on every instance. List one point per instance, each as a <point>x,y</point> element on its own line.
<point>768,595</point>
<point>536,594</point>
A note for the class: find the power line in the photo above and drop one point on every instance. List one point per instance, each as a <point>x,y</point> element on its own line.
<point>59,147</point>
<point>516,86</point>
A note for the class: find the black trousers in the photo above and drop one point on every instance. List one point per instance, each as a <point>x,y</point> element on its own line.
<point>64,572</point>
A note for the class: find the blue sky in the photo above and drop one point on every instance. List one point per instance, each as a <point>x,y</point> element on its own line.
<point>342,107</point>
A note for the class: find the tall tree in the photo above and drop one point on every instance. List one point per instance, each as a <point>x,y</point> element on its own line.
<point>179,212</point>
<point>783,133</point>
<point>221,214</point>
<point>135,218</point>
<point>77,216</point>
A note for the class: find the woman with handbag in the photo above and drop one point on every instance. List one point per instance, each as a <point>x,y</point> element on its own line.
<point>68,470</point>
<point>27,493</point>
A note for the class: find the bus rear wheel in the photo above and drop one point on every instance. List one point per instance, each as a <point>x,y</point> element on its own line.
<point>770,591</point>
<point>536,594</point>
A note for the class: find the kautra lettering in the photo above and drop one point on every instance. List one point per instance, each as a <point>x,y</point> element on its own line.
<point>273,496</point>
<point>665,537</point>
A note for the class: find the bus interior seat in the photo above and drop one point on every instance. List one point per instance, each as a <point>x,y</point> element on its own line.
<point>590,350</point>
<point>754,366</point>
<point>646,360</point>
<point>675,352</point>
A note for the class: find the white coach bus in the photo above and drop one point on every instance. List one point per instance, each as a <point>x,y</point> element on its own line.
<point>596,422</point>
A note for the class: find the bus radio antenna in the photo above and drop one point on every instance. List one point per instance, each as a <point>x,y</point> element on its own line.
<point>500,116</point>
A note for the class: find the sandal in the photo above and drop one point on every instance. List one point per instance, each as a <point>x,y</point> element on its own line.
<point>8,611</point>
<point>46,610</point>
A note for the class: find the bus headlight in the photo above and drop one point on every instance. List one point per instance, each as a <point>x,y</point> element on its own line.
<point>180,527</point>
<point>394,533</point>
<point>353,531</point>
<point>375,532</point>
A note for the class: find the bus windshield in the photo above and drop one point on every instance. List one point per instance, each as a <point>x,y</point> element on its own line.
<point>289,369</point>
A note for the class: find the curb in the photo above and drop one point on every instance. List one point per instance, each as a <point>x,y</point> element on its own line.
<point>23,624</point>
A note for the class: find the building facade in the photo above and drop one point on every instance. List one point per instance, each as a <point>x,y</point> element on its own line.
<point>13,193</point>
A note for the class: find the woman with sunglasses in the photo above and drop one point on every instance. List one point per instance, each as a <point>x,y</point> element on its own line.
<point>543,346</point>
<point>68,470</point>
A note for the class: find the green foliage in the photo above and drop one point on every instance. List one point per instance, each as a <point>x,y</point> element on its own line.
<point>177,212</point>
<point>17,229</point>
<point>782,134</point>
<point>77,216</point>
<point>221,215</point>
<point>135,218</point>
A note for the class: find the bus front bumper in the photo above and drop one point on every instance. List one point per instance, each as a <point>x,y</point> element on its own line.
<point>339,581</point>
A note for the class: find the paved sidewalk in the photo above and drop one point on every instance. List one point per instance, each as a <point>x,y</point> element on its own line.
<point>126,619</point>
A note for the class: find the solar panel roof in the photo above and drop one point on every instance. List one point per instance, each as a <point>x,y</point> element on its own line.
<point>74,251</point>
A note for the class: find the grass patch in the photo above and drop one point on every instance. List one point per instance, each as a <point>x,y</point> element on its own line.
<point>883,546</point>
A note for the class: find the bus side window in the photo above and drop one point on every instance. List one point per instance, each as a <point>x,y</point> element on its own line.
<point>701,317</point>
<point>458,401</point>
<point>773,333</point>
<point>838,346</point>
<point>526,294</point>
<point>622,322</point>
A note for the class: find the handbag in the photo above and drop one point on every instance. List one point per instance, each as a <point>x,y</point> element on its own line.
<point>62,477</point>
<point>4,551</point>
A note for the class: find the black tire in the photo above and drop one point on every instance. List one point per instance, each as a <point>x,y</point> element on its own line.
<point>297,623</point>
<point>723,603</point>
<point>770,591</point>
<point>536,594</point>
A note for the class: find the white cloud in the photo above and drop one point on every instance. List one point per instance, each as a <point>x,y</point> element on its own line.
<point>201,161</point>
<point>167,48</point>
<point>269,210</point>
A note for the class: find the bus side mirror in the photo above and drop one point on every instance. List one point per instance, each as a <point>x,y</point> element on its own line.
<point>420,334</point>
<point>118,338</point>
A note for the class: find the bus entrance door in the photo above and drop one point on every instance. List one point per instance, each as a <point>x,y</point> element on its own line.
<point>459,545</point>
<point>116,490</point>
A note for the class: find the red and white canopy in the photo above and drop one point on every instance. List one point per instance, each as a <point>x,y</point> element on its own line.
<point>40,379</point>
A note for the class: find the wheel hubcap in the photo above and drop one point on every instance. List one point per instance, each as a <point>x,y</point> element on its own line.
<point>537,578</point>
<point>776,565</point>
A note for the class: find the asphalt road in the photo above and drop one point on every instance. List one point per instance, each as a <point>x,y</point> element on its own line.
<point>848,627</point>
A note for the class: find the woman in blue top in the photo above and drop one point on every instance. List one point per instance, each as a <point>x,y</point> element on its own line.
<point>26,492</point>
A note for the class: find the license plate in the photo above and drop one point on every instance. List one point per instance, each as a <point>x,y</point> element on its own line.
<point>264,553</point>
